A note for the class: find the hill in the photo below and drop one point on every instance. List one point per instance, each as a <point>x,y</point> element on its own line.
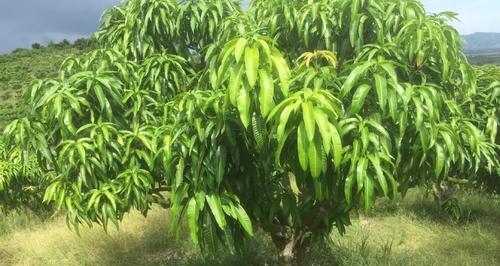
<point>19,68</point>
<point>482,43</point>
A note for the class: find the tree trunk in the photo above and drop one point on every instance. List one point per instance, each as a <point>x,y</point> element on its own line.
<point>292,248</point>
<point>443,192</point>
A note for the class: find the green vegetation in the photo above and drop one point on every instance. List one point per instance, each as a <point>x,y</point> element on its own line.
<point>22,183</point>
<point>409,232</point>
<point>484,107</point>
<point>485,59</point>
<point>267,127</point>
<point>23,66</point>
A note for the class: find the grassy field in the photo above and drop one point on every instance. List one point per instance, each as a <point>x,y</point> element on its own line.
<point>411,232</point>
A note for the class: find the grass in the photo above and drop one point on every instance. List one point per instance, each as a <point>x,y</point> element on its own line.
<point>18,220</point>
<point>410,232</point>
<point>416,233</point>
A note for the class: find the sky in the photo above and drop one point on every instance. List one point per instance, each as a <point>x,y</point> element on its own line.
<point>474,15</point>
<point>23,22</point>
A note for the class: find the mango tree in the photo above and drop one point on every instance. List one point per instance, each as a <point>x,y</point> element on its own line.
<point>283,117</point>
<point>22,182</point>
<point>483,109</point>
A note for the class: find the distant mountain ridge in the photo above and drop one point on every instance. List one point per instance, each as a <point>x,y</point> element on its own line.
<point>482,43</point>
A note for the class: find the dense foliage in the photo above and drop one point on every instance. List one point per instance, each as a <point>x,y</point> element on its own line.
<point>483,108</point>
<point>21,67</point>
<point>284,117</point>
<point>22,182</point>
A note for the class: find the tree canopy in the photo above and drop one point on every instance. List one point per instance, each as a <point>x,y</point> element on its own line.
<point>283,117</point>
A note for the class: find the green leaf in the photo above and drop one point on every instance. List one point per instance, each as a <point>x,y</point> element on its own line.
<point>309,122</point>
<point>440,160</point>
<point>324,129</point>
<point>381,87</point>
<point>266,93</point>
<point>358,99</point>
<point>353,28</point>
<point>337,146</point>
<point>349,183</point>
<point>221,164</point>
<point>302,144</point>
<point>100,96</point>
<point>235,81</point>
<point>283,72</point>
<point>393,105</point>
<point>239,49</point>
<point>216,207</point>
<point>179,174</point>
<point>192,216</point>
<point>361,172</point>
<point>315,159</point>
<point>244,220</point>
<point>244,107</point>
<point>81,152</point>
<point>390,70</point>
<point>251,64</point>
<point>420,112</point>
<point>111,198</point>
<point>375,160</point>
<point>353,77</point>
<point>200,199</point>
<point>284,116</point>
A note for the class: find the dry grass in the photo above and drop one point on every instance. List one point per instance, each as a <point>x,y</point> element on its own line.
<point>53,244</point>
<point>407,233</point>
<point>414,232</point>
<point>407,240</point>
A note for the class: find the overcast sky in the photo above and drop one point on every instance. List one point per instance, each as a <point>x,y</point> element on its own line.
<point>23,22</point>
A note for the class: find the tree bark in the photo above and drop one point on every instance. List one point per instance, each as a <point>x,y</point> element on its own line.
<point>292,248</point>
